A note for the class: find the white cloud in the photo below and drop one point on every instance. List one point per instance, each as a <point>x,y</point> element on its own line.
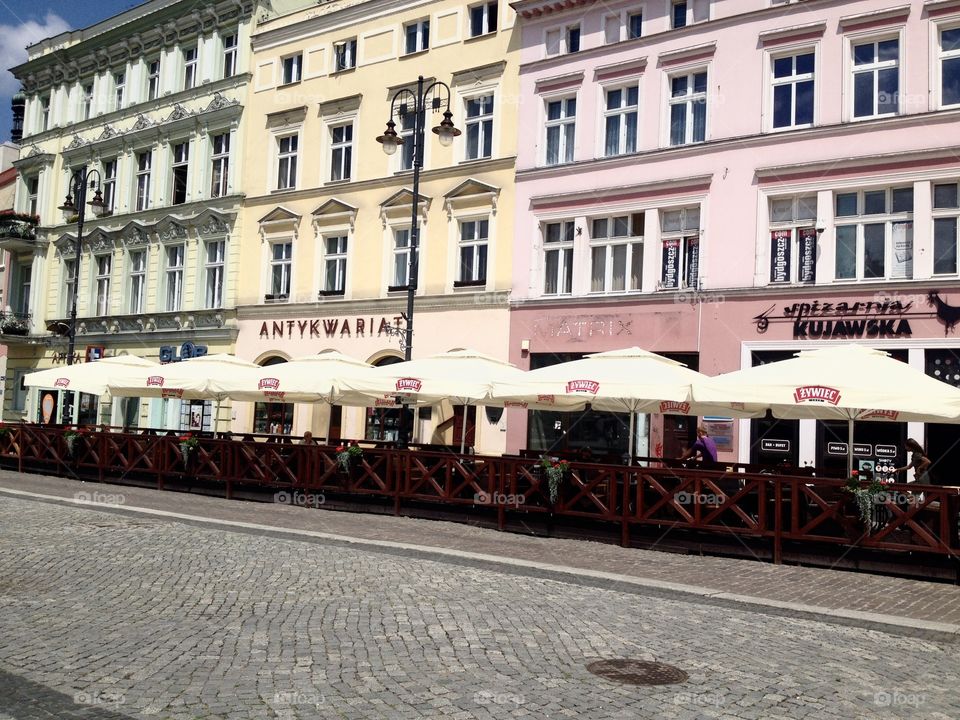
<point>13,47</point>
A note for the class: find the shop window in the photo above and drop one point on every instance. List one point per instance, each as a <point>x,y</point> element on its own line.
<point>946,215</point>
<point>793,239</point>
<point>874,234</point>
<point>384,424</point>
<point>273,418</point>
<point>680,263</point>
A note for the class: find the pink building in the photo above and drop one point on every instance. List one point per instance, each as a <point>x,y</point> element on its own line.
<point>730,182</point>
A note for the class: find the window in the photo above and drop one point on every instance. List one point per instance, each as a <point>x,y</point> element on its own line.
<point>174,277</point>
<point>793,90</point>
<point>345,54</point>
<point>622,26</point>
<point>616,253</point>
<point>561,126</point>
<point>679,14</point>
<point>153,79</point>
<point>213,272</point>
<point>44,113</point>
<point>291,69</point>
<point>119,87</point>
<point>793,239</point>
<point>104,264</point>
<point>417,36</point>
<point>560,41</point>
<point>408,149</point>
<point>634,25</point>
<point>26,283</point>
<point>69,283</point>
<point>401,258</point>
<point>480,127</point>
<point>620,120</point>
<point>341,151</point>
<point>950,67</point>
<point>473,252</point>
<point>189,67</point>
<point>287,162</point>
<point>558,257</point>
<point>876,78</point>
<point>281,263</point>
<point>33,194</point>
<point>181,163</point>
<point>334,265</point>
<point>229,55</point>
<point>680,236</point>
<point>483,19</point>
<point>138,280</point>
<point>946,214</point>
<point>144,161</point>
<point>109,183</point>
<point>688,108</point>
<point>86,102</point>
<point>874,234</point>
<point>220,165</point>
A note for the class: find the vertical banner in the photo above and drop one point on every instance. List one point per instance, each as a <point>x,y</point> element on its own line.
<point>808,255</point>
<point>902,250</point>
<point>671,264</point>
<point>693,261</point>
<point>780,256</point>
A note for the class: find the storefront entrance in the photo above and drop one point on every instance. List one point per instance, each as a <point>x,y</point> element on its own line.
<point>273,418</point>
<point>383,424</point>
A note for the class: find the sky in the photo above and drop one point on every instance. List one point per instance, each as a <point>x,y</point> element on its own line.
<point>24,22</point>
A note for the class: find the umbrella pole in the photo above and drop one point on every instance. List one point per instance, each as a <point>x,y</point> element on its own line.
<point>850,447</point>
<point>216,419</point>
<point>463,430</point>
<point>633,417</point>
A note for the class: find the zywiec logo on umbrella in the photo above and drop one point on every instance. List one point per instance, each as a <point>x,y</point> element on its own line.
<point>385,402</point>
<point>880,415</point>
<point>668,407</point>
<point>515,404</point>
<point>155,381</point>
<point>171,393</point>
<point>62,382</point>
<point>816,394</point>
<point>583,386</point>
<point>408,385</point>
<point>274,394</point>
<point>546,399</point>
<point>268,384</point>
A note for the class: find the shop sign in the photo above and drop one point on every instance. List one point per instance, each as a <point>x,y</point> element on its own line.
<point>583,326</point>
<point>170,353</point>
<point>816,320</point>
<point>839,448</point>
<point>357,327</point>
<point>886,451</point>
<point>583,386</point>
<point>775,445</point>
<point>816,393</point>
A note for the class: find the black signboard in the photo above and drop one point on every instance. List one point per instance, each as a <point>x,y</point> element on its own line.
<point>671,264</point>
<point>808,255</point>
<point>860,449</point>
<point>769,445</point>
<point>835,448</point>
<point>780,256</point>
<point>886,451</point>
<point>693,260</point>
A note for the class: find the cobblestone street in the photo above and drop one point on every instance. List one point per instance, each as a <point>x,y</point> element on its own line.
<point>112,616</point>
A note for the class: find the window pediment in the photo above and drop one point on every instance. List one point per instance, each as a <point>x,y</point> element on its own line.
<point>334,212</point>
<point>471,193</point>
<point>397,206</point>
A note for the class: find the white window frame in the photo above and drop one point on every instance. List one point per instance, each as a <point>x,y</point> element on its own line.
<point>874,68</point>
<point>797,222</point>
<point>687,100</point>
<point>395,251</point>
<point>174,264</point>
<point>609,243</point>
<point>101,283</point>
<point>946,214</point>
<point>422,39</point>
<point>142,197</point>
<point>688,13</point>
<point>340,259</point>
<point>32,183</point>
<point>109,169</point>
<point>346,149</point>
<point>860,221</point>
<point>564,247</point>
<point>230,45</point>
<point>138,281</point>
<point>214,273</point>
<point>180,163</point>
<point>119,88</point>
<point>283,263</point>
<point>69,279</point>
<point>44,115</point>
<point>487,119</point>
<point>688,229</point>
<point>280,156</point>
<point>566,149</point>
<point>623,111</point>
<point>86,101</point>
<point>190,65</point>
<point>473,244</point>
<point>153,78</point>
<point>792,80</point>
<point>345,55</point>
<point>563,40</point>
<point>942,56</point>
<point>486,27</point>
<point>220,164</point>
<point>291,69</point>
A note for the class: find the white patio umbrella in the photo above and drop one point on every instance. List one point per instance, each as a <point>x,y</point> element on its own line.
<point>91,377</point>
<point>631,380</point>
<point>846,382</point>
<point>464,377</point>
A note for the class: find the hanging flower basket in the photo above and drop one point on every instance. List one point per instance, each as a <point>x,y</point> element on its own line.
<point>188,444</point>
<point>70,440</point>
<point>556,472</point>
<point>347,455</point>
<point>865,498</point>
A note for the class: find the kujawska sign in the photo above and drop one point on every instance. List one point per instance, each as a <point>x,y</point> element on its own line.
<point>820,320</point>
<point>357,327</point>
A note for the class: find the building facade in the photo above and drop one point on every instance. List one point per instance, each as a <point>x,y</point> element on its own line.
<point>730,182</point>
<point>150,103</point>
<point>327,217</point>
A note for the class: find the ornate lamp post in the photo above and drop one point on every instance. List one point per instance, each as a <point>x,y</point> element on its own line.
<point>437,94</point>
<point>75,204</point>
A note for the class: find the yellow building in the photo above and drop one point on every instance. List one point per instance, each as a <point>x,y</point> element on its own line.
<point>327,214</point>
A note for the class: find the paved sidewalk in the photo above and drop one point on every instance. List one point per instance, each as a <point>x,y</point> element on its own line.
<point>910,606</point>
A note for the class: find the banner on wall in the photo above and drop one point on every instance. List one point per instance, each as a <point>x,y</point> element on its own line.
<point>693,260</point>
<point>670,277</point>
<point>721,430</point>
<point>808,255</point>
<point>780,256</point>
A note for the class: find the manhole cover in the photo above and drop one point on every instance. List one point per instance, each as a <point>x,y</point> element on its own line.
<point>638,672</point>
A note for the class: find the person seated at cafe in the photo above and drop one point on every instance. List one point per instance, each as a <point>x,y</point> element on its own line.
<point>308,439</point>
<point>705,447</point>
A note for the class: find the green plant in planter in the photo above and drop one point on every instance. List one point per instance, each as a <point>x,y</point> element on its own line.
<point>70,439</point>
<point>865,497</point>
<point>188,444</point>
<point>347,455</point>
<point>556,472</point>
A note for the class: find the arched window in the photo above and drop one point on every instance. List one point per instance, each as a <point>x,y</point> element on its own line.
<point>383,424</point>
<point>270,417</point>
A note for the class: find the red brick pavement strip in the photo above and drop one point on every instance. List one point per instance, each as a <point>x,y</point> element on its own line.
<point>854,598</point>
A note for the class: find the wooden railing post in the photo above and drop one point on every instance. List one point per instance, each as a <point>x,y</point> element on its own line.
<point>778,518</point>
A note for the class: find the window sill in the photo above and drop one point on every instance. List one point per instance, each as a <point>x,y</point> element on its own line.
<point>467,161</point>
<point>490,33</point>
<point>280,191</point>
<point>329,293</point>
<point>341,71</point>
<point>395,289</point>
<point>414,53</point>
<point>469,283</point>
<point>341,181</point>
<point>275,299</point>
<point>282,86</point>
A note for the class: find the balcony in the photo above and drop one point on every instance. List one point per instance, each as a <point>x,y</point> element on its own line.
<point>14,324</point>
<point>18,231</point>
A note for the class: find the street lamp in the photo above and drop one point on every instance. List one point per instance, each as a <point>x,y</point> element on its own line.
<point>75,205</point>
<point>400,105</point>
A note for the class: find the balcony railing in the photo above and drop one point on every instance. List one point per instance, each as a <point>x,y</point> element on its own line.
<point>18,231</point>
<point>13,323</point>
